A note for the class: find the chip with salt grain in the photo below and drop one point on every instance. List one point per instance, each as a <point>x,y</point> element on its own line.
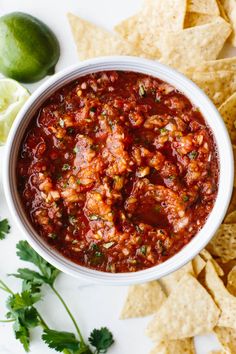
<point>227,64</point>
<point>228,112</point>
<point>156,17</point>
<point>94,41</point>
<point>198,265</point>
<point>231,281</point>
<point>170,281</point>
<point>179,318</point>
<point>224,300</point>
<point>230,9</point>
<point>193,19</point>
<point>143,300</point>
<point>193,45</point>
<point>218,85</point>
<point>223,244</point>
<point>209,7</point>
<point>227,338</point>
<point>185,346</point>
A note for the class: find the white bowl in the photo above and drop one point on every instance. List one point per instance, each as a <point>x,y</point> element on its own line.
<point>196,96</point>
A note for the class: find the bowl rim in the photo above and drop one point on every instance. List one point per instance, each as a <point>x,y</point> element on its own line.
<point>226,173</point>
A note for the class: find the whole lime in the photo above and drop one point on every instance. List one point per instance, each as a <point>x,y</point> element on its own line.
<point>29,50</point>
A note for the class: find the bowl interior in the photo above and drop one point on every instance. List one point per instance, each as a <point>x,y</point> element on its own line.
<point>196,96</point>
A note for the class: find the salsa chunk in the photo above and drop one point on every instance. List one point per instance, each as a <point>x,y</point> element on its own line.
<point>118,171</point>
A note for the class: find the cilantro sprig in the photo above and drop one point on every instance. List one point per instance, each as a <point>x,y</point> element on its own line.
<point>24,315</point>
<point>4,228</point>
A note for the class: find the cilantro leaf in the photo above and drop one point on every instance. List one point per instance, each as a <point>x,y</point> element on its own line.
<point>30,276</point>
<point>4,228</point>
<point>101,339</point>
<point>21,301</point>
<point>22,333</point>
<point>60,340</point>
<point>26,253</point>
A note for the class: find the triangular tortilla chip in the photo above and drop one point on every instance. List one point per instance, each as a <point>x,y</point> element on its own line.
<point>217,85</point>
<point>223,244</point>
<point>231,281</point>
<point>185,346</point>
<point>228,112</point>
<point>208,7</point>
<point>227,338</point>
<point>198,264</point>
<point>193,45</point>
<point>224,300</point>
<point>193,19</point>
<point>170,281</point>
<point>227,64</point>
<point>93,41</point>
<point>230,9</point>
<point>188,311</point>
<point>207,256</point>
<point>156,17</point>
<point>143,300</point>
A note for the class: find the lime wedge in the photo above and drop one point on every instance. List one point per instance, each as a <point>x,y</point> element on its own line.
<point>12,98</point>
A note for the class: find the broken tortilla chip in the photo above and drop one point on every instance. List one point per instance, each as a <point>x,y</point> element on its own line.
<point>228,112</point>
<point>231,281</point>
<point>185,346</point>
<point>217,85</point>
<point>170,281</point>
<point>143,300</point>
<point>223,244</point>
<point>209,7</point>
<point>227,338</point>
<point>156,17</point>
<point>178,317</point>
<point>230,9</point>
<point>93,41</point>
<point>195,44</point>
<point>224,300</point>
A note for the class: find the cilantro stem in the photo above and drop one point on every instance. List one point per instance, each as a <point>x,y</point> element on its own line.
<point>42,322</point>
<point>70,314</point>
<point>5,321</point>
<point>4,287</point>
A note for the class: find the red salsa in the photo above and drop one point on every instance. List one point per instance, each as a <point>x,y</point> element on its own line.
<point>118,171</point>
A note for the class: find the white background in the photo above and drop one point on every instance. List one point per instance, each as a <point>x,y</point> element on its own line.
<point>93,305</point>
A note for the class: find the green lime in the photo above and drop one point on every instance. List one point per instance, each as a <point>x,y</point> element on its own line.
<point>12,98</point>
<point>29,50</point>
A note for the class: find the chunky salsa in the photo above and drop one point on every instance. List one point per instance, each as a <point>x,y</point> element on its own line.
<point>118,171</point>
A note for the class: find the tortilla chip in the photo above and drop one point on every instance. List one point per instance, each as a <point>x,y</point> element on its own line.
<point>188,311</point>
<point>231,283</point>
<point>198,264</point>
<point>230,9</point>
<point>217,85</point>
<point>224,300</point>
<point>170,281</point>
<point>230,218</point>
<point>143,300</point>
<point>193,19</point>
<point>223,244</point>
<point>94,41</point>
<point>227,64</point>
<point>195,44</point>
<point>228,112</point>
<point>209,7</point>
<point>185,346</point>
<point>207,256</point>
<point>227,338</point>
<point>156,17</point>
<point>222,11</point>
<point>232,205</point>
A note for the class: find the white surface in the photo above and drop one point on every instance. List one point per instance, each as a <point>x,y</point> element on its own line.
<point>92,305</point>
